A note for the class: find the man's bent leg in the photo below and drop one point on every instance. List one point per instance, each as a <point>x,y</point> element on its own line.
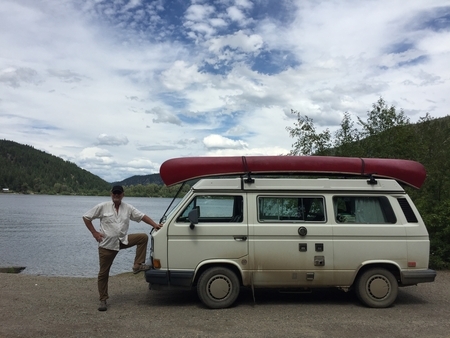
<point>141,241</point>
<point>106,258</point>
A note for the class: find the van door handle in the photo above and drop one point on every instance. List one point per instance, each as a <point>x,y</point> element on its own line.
<point>240,238</point>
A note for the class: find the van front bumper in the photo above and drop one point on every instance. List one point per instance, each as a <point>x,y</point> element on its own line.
<point>169,278</point>
<point>157,277</point>
<point>416,277</point>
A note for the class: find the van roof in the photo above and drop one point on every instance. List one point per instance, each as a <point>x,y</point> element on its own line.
<point>299,184</point>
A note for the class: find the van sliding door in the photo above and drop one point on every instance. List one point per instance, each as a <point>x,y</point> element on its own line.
<point>290,241</point>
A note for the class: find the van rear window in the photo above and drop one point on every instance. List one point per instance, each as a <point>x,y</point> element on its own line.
<point>279,209</point>
<point>363,209</point>
<point>407,210</point>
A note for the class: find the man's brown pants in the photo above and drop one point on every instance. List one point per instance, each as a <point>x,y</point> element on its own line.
<point>106,258</point>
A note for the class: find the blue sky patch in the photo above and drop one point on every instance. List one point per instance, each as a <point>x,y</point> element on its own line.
<point>436,19</point>
<point>400,47</point>
<point>219,68</point>
<point>173,100</point>
<point>413,62</point>
<point>273,62</point>
<point>440,19</point>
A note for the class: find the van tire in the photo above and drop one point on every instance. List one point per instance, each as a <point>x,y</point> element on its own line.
<point>377,288</point>
<point>218,287</point>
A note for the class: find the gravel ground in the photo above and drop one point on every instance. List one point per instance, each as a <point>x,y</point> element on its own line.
<point>38,306</point>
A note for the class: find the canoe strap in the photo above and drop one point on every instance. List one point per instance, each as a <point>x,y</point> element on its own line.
<point>249,179</point>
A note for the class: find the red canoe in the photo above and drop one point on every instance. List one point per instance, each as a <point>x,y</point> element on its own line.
<point>182,169</point>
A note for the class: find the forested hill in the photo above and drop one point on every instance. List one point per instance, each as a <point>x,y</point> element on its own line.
<point>28,170</point>
<point>141,180</point>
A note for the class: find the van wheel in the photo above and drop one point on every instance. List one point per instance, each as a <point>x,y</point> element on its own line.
<point>377,288</point>
<point>218,288</point>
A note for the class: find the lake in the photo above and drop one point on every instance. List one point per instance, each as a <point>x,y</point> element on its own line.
<point>46,234</point>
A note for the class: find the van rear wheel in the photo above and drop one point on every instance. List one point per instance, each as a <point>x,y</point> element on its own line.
<point>218,287</point>
<point>377,288</point>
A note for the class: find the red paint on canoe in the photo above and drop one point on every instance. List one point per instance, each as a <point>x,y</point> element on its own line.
<point>182,169</point>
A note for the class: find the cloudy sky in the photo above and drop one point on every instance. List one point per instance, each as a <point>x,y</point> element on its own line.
<point>120,86</point>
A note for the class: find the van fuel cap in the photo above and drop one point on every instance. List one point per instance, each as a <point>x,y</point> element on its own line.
<point>302,231</point>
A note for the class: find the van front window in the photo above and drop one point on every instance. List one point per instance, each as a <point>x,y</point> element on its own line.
<point>215,208</point>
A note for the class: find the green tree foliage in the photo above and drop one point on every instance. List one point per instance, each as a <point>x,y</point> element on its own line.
<point>347,137</point>
<point>308,141</point>
<point>382,118</point>
<point>155,190</point>
<point>27,170</point>
<point>388,133</point>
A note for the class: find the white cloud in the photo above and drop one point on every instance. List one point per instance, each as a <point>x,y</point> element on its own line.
<point>246,4</point>
<point>111,140</point>
<point>66,75</point>
<point>199,12</point>
<point>144,165</point>
<point>15,76</point>
<point>118,87</point>
<point>238,40</point>
<point>269,151</point>
<point>164,116</point>
<point>235,13</point>
<point>95,152</point>
<point>220,142</point>
<point>181,75</point>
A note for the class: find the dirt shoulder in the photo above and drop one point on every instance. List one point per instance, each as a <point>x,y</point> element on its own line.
<point>38,306</point>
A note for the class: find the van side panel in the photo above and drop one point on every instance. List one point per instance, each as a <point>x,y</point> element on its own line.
<point>418,239</point>
<point>357,244</point>
<point>188,248</point>
<point>212,238</point>
<point>281,257</point>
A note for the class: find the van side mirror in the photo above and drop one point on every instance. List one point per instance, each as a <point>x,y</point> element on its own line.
<point>193,217</point>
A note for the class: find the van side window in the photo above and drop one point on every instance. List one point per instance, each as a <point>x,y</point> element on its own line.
<point>407,210</point>
<point>305,209</point>
<point>215,208</point>
<point>362,209</point>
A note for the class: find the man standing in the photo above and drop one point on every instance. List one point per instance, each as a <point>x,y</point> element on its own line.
<point>113,236</point>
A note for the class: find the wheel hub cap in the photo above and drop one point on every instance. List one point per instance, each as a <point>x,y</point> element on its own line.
<point>219,288</point>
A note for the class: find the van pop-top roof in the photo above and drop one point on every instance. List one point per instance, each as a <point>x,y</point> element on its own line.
<point>183,169</point>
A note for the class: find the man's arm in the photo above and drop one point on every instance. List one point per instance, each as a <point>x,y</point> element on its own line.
<point>97,235</point>
<point>151,222</point>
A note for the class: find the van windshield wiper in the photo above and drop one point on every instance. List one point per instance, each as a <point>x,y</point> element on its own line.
<point>163,218</point>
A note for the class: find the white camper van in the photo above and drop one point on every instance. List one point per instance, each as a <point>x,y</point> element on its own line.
<point>280,231</point>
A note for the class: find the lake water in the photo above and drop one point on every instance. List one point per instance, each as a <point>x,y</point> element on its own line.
<point>46,234</point>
